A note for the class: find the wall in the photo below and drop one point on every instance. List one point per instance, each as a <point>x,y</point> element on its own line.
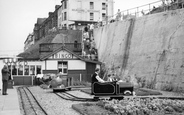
<point>76,65</point>
<point>23,80</point>
<point>72,64</point>
<point>149,47</point>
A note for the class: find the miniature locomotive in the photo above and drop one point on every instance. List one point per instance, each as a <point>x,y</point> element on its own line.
<point>112,89</point>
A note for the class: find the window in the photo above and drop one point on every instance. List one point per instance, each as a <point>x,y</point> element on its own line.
<point>32,70</point>
<point>62,17</point>
<point>103,16</point>
<point>20,70</point>
<point>26,70</point>
<point>65,16</point>
<point>14,70</point>
<point>65,4</point>
<point>91,16</point>
<point>38,69</point>
<point>91,5</point>
<point>103,6</point>
<point>63,67</point>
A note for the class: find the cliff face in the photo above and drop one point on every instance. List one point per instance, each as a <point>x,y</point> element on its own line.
<point>149,47</point>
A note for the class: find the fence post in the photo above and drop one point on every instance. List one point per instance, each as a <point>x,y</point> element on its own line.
<point>80,78</point>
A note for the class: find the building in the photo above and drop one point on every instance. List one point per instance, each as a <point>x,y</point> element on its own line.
<point>38,31</point>
<point>46,25</point>
<point>29,41</point>
<point>73,13</point>
<point>53,54</point>
<point>72,66</point>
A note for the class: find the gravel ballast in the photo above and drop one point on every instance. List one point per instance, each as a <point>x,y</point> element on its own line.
<point>53,104</point>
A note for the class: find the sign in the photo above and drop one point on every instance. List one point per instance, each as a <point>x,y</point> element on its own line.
<point>85,10</point>
<point>62,55</point>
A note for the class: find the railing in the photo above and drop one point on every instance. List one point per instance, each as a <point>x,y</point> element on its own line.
<point>90,57</point>
<point>151,8</point>
<point>50,47</point>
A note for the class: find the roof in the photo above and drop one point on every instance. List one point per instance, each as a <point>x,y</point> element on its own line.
<point>33,52</point>
<point>64,48</point>
<point>40,20</point>
<point>30,34</point>
<point>68,37</point>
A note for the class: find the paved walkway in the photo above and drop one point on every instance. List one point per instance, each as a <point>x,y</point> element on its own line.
<point>9,104</point>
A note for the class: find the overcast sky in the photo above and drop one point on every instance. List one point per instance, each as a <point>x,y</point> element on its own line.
<point>17,19</point>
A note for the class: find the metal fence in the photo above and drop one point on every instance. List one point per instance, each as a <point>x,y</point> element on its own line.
<point>147,9</point>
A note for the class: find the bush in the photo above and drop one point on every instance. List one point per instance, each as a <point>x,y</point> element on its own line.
<point>141,81</point>
<point>168,86</point>
<point>147,106</point>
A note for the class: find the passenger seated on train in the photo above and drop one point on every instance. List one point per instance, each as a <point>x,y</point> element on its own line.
<point>109,78</point>
<point>112,77</point>
<point>96,78</point>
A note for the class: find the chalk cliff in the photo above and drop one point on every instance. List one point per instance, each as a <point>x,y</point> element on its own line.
<point>149,47</point>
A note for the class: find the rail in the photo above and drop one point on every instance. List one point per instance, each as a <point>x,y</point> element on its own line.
<point>147,9</point>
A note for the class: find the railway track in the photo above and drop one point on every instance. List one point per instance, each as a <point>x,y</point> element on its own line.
<point>70,97</point>
<point>29,103</point>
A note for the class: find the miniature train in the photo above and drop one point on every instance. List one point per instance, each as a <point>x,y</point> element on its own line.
<point>112,89</point>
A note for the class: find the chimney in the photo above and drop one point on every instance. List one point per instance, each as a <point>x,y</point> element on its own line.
<point>50,13</point>
<point>57,6</point>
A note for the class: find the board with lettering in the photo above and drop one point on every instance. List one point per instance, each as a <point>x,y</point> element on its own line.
<point>62,55</point>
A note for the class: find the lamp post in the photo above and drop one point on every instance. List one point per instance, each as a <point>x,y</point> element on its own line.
<point>11,61</point>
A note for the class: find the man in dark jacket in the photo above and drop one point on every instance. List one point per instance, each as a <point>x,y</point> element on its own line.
<point>5,77</point>
<point>95,76</point>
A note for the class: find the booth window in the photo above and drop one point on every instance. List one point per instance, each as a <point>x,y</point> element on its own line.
<point>20,70</point>
<point>14,70</point>
<point>32,70</point>
<point>63,67</point>
<point>26,70</point>
<point>38,69</point>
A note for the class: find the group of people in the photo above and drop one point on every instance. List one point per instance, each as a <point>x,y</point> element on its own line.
<point>90,51</point>
<point>96,78</point>
<point>5,77</point>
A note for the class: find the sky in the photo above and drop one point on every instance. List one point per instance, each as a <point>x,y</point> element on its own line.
<point>17,19</point>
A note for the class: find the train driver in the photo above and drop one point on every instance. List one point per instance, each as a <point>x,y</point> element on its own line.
<point>96,78</point>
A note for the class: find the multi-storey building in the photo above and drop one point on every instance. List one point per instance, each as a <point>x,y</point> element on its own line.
<point>79,12</point>
<point>29,41</point>
<point>44,25</point>
<point>37,30</point>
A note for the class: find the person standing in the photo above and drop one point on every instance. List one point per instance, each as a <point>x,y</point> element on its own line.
<point>5,77</point>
